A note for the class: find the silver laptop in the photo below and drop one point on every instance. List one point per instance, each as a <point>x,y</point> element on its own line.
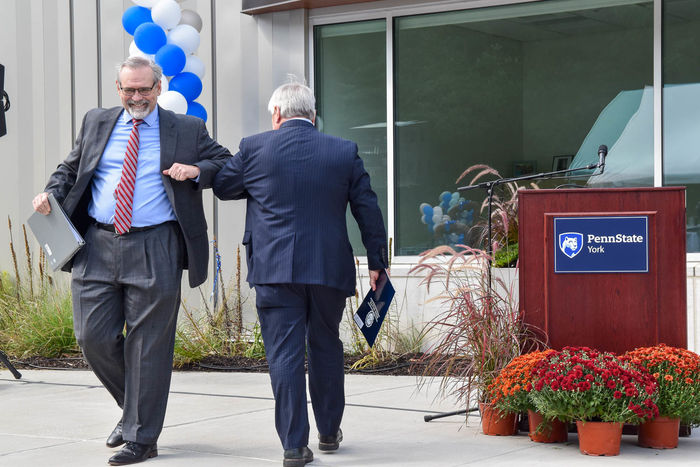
<point>56,234</point>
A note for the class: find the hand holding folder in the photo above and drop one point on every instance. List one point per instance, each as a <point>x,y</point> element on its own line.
<point>56,234</point>
<point>370,314</point>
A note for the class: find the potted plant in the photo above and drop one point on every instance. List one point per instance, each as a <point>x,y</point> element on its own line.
<point>510,393</point>
<point>480,330</point>
<point>677,374</point>
<point>596,389</point>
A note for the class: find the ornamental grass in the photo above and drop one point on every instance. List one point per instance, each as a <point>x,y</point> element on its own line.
<point>677,375</point>
<point>579,383</point>
<point>480,329</point>
<point>510,390</point>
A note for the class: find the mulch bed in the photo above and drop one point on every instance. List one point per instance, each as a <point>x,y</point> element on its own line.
<point>405,365</point>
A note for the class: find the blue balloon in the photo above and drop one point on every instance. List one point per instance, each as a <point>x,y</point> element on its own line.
<point>188,84</point>
<point>149,38</point>
<point>197,110</point>
<point>428,211</point>
<point>134,17</point>
<point>171,58</point>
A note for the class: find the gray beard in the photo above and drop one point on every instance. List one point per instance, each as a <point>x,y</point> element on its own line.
<point>136,112</point>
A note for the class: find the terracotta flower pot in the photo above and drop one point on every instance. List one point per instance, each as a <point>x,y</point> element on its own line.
<point>554,431</point>
<point>599,438</point>
<point>659,433</point>
<point>496,423</point>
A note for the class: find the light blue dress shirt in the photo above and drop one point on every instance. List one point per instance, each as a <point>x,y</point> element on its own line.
<point>151,204</point>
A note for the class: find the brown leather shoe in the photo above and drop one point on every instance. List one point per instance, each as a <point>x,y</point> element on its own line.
<point>115,438</point>
<point>133,453</point>
<point>330,442</point>
<point>297,457</point>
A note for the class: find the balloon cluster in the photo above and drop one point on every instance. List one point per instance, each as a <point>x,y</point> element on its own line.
<point>169,36</point>
<point>450,220</point>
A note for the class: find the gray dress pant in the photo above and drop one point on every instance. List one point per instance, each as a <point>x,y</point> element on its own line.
<point>130,282</point>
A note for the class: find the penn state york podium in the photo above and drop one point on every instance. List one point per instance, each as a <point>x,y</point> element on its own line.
<point>604,268</point>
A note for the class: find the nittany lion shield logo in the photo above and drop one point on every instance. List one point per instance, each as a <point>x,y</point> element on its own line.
<point>571,243</point>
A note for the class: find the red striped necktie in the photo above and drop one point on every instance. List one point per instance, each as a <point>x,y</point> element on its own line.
<point>125,189</point>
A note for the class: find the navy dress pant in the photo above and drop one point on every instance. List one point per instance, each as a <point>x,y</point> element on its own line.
<point>299,319</point>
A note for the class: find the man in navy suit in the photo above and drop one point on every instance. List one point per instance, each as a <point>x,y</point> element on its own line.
<point>298,183</point>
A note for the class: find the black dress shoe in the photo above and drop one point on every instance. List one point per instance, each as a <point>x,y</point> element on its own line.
<point>330,442</point>
<point>133,453</point>
<point>297,457</point>
<point>115,439</point>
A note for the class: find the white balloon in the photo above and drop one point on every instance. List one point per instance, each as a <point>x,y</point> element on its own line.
<point>192,18</point>
<point>146,3</point>
<point>184,36</point>
<point>173,100</point>
<point>166,13</point>
<point>164,84</point>
<point>134,51</point>
<point>194,65</point>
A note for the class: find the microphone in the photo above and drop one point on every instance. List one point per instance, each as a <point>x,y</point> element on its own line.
<point>602,153</point>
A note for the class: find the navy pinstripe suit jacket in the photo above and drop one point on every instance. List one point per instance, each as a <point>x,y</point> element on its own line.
<point>298,183</point>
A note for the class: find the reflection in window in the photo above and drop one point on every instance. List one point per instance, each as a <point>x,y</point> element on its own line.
<point>350,82</point>
<point>520,88</point>
<point>681,109</point>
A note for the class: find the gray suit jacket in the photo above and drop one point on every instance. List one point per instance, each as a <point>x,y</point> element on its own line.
<point>183,139</point>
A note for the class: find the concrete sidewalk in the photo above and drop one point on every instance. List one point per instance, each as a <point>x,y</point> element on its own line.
<point>62,418</point>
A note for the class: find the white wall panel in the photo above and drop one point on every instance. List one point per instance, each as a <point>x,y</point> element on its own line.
<point>11,53</point>
<point>85,53</point>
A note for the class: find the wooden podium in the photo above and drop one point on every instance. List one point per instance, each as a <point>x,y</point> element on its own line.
<point>618,309</point>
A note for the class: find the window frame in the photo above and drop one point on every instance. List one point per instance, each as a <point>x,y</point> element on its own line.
<point>389,10</point>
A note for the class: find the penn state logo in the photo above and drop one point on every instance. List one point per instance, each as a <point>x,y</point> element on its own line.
<point>571,243</point>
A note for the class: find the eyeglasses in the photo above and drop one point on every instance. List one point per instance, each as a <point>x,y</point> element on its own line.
<point>145,92</point>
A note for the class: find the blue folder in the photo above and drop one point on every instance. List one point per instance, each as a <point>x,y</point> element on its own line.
<point>370,314</point>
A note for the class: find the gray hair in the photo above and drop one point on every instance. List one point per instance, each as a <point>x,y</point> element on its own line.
<point>293,100</point>
<point>138,62</point>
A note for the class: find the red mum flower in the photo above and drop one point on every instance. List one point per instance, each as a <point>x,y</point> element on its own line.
<point>617,395</point>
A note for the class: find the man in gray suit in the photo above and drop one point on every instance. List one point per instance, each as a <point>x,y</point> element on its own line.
<point>141,227</point>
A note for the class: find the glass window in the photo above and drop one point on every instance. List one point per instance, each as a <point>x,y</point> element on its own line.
<point>523,88</point>
<point>681,109</point>
<point>350,82</point>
